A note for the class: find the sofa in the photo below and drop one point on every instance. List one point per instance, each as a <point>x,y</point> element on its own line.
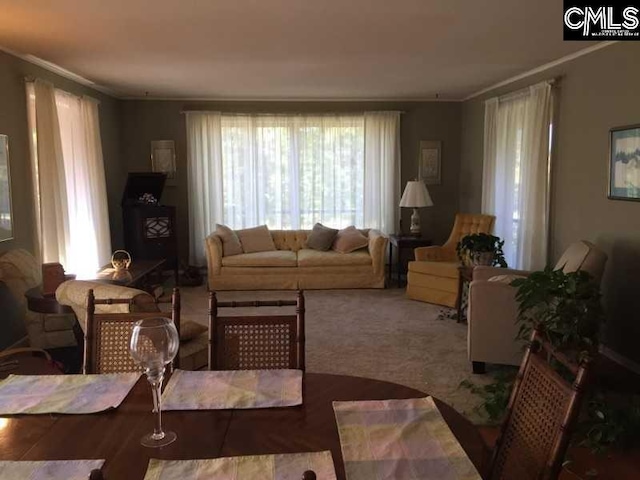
<point>73,293</point>
<point>19,272</point>
<point>493,309</point>
<point>433,277</point>
<point>292,266</point>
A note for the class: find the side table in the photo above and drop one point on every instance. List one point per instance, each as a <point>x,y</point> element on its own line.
<point>403,242</point>
<point>465,274</point>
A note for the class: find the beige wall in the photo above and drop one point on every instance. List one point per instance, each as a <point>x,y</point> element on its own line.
<point>597,91</point>
<point>144,121</point>
<point>13,122</point>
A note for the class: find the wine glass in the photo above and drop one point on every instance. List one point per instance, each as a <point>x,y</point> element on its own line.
<point>154,344</point>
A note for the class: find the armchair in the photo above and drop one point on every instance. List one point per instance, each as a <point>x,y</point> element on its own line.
<point>493,309</point>
<point>433,276</point>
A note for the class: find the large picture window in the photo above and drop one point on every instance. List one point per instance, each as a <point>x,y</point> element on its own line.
<point>291,171</point>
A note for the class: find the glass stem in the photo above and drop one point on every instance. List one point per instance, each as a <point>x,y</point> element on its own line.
<point>156,388</point>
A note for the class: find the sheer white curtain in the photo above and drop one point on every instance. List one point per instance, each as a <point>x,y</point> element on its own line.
<point>382,170</point>
<point>79,182</point>
<point>204,154</point>
<point>290,171</point>
<point>516,173</point>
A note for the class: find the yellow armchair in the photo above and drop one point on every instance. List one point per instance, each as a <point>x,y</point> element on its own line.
<point>433,276</point>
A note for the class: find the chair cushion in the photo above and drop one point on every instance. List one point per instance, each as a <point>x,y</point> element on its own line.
<point>257,239</point>
<point>321,237</point>
<point>437,269</point>
<point>349,240</point>
<point>277,258</point>
<point>230,242</point>
<point>315,258</point>
<point>190,330</point>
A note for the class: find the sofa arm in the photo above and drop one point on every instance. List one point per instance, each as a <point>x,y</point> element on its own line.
<point>377,249</point>
<point>434,254</point>
<point>485,273</point>
<point>213,244</point>
<point>492,323</point>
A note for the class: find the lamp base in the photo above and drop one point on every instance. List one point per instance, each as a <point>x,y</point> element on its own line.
<point>415,223</point>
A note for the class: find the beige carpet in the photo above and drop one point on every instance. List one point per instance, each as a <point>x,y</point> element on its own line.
<point>377,334</point>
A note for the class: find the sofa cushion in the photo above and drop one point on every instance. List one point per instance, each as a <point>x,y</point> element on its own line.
<point>437,269</point>
<point>349,240</point>
<point>321,237</point>
<point>316,258</point>
<point>277,258</point>
<point>230,242</point>
<point>257,239</point>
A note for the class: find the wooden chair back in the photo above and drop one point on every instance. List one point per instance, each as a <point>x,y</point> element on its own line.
<point>107,335</point>
<point>542,412</point>
<point>256,342</point>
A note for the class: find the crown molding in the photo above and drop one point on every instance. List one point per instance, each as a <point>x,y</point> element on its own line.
<point>292,99</point>
<point>63,72</point>
<point>542,68</point>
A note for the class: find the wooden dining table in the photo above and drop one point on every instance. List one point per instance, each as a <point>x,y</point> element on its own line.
<point>115,435</point>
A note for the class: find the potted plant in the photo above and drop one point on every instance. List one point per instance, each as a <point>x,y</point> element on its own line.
<point>481,249</point>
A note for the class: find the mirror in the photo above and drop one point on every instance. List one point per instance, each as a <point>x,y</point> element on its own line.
<point>6,226</point>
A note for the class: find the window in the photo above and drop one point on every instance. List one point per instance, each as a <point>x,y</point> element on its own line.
<point>291,171</point>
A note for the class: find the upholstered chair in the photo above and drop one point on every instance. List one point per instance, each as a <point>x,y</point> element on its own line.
<point>433,276</point>
<point>493,310</point>
<point>20,271</point>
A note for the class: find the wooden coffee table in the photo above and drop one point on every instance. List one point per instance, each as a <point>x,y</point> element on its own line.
<point>138,275</point>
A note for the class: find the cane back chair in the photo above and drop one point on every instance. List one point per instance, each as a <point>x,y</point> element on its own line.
<point>107,335</point>
<point>256,342</point>
<point>542,411</point>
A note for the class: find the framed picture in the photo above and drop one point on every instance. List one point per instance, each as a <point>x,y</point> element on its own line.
<point>429,165</point>
<point>624,163</point>
<point>163,159</point>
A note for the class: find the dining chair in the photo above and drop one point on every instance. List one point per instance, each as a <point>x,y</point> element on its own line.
<point>541,414</point>
<point>256,342</point>
<point>107,335</point>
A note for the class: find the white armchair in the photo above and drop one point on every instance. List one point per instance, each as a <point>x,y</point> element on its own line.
<point>493,309</point>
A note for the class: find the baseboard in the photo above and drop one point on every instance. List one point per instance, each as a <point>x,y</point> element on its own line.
<point>620,359</point>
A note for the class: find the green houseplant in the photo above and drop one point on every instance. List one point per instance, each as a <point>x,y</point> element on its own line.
<point>481,249</point>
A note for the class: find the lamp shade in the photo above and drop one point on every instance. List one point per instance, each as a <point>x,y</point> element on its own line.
<point>416,195</point>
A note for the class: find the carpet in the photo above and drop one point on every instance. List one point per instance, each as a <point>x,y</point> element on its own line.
<point>373,333</point>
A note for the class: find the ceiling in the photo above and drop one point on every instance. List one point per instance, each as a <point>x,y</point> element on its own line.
<point>289,49</point>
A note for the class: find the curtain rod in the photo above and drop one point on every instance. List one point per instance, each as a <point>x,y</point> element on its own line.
<point>525,90</point>
<point>30,79</point>
<point>271,114</point>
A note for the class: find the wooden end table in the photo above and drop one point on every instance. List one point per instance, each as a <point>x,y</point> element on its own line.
<point>136,276</point>
<point>404,242</point>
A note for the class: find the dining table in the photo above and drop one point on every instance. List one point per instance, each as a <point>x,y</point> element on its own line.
<point>115,435</point>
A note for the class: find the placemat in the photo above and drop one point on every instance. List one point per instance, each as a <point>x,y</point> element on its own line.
<point>223,389</point>
<point>49,470</point>
<point>287,466</point>
<point>64,393</point>
<point>399,439</point>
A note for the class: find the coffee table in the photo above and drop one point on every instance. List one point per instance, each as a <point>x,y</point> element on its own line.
<point>138,275</point>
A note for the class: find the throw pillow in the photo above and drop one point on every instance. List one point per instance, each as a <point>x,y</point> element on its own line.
<point>257,239</point>
<point>321,237</point>
<point>349,239</point>
<point>230,241</point>
<point>190,330</point>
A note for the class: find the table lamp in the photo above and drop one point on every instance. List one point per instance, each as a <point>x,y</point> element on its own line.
<point>415,196</point>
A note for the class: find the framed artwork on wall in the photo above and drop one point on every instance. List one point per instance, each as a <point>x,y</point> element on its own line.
<point>429,164</point>
<point>163,159</point>
<point>624,163</point>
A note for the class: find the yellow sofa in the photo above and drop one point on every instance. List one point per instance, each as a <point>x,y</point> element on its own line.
<point>292,266</point>
<point>433,276</point>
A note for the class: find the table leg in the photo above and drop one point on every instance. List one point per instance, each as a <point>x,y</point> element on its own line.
<point>459,299</point>
<point>390,261</point>
<point>399,253</point>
